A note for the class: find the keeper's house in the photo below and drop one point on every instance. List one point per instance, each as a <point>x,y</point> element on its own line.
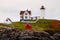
<point>26,16</point>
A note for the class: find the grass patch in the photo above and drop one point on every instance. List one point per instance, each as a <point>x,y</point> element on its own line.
<point>41,24</point>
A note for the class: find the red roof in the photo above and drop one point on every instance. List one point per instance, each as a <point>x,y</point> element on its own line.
<point>22,12</point>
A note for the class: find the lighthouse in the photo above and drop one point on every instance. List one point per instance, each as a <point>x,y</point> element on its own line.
<point>42,9</point>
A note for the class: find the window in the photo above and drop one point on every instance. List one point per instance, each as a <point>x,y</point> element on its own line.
<point>25,13</point>
<point>26,17</point>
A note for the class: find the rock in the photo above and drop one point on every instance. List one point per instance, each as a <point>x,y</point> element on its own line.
<point>16,34</point>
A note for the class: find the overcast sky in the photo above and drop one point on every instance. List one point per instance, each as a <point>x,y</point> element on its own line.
<point>11,8</point>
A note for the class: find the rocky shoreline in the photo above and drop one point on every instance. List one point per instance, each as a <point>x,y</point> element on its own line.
<point>16,34</point>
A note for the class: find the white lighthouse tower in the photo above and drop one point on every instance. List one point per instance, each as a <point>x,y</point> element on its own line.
<point>42,9</point>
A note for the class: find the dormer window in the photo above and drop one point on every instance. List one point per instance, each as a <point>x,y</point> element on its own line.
<point>25,13</point>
